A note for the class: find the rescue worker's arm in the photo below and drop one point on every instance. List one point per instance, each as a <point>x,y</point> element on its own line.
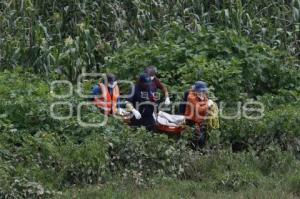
<point>162,87</point>
<point>202,111</point>
<point>95,92</point>
<point>131,109</point>
<point>129,104</point>
<point>120,111</point>
<point>182,105</point>
<point>118,103</point>
<point>111,92</point>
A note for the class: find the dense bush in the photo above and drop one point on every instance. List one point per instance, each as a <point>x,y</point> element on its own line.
<point>235,171</point>
<point>277,126</point>
<point>232,65</point>
<point>135,152</point>
<point>295,184</point>
<point>40,155</point>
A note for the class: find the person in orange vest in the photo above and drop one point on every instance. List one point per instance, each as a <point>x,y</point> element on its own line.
<point>106,95</point>
<point>195,107</point>
<point>157,84</point>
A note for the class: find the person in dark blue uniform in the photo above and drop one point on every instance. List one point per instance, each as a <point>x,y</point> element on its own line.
<point>157,84</point>
<point>141,103</point>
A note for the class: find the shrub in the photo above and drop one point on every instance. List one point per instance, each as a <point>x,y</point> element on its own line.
<point>277,126</point>
<point>84,163</point>
<point>295,184</point>
<point>223,169</point>
<point>229,63</point>
<point>146,153</point>
<point>274,161</point>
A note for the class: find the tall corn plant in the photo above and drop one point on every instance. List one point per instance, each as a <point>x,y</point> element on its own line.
<point>33,32</point>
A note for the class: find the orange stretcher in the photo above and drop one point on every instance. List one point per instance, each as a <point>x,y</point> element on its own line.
<point>167,128</point>
<point>175,130</point>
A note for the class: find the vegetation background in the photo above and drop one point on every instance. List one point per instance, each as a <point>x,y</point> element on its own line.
<point>245,50</point>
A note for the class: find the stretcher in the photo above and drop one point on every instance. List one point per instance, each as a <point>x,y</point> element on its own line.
<point>171,124</point>
<point>165,122</point>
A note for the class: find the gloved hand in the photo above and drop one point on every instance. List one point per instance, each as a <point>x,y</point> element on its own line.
<point>210,103</point>
<point>167,101</point>
<point>136,114</point>
<point>120,111</point>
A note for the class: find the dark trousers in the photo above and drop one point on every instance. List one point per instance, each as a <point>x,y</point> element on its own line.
<point>148,122</point>
<point>200,135</point>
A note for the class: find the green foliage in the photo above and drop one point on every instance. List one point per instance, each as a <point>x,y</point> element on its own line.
<point>187,41</point>
<point>231,65</point>
<point>38,161</point>
<point>223,170</point>
<point>135,153</point>
<point>84,163</point>
<point>173,189</point>
<point>277,126</point>
<point>34,31</point>
<point>282,98</point>
<point>274,161</point>
<point>295,184</point>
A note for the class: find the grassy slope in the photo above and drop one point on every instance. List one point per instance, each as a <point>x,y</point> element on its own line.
<point>77,159</point>
<point>215,175</point>
<point>174,189</point>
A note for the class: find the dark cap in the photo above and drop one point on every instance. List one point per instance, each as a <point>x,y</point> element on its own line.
<point>151,70</point>
<point>200,86</point>
<point>111,77</point>
<point>144,78</point>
